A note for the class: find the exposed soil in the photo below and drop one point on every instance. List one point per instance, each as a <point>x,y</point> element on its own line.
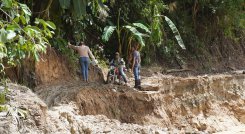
<point>54,69</point>
<point>61,118</point>
<point>221,54</point>
<point>175,102</point>
<point>201,103</point>
<point>169,104</point>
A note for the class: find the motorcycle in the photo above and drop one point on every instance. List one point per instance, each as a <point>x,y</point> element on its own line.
<point>114,76</point>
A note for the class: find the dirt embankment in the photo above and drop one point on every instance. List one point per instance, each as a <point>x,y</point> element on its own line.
<point>207,103</point>
<point>54,68</point>
<point>192,104</point>
<point>195,104</point>
<point>60,118</point>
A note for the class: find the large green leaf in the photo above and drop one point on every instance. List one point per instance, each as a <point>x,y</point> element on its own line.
<point>10,34</point>
<point>79,8</point>
<point>108,30</point>
<point>176,32</point>
<point>132,29</point>
<point>51,25</point>
<point>102,5</point>
<point>103,1</point>
<point>140,39</point>
<point>65,4</point>
<point>46,23</point>
<point>136,34</point>
<point>142,26</point>
<point>32,30</point>
<point>7,3</point>
<point>3,36</point>
<point>23,19</point>
<point>3,50</point>
<point>25,9</point>
<point>13,27</point>
<point>1,24</point>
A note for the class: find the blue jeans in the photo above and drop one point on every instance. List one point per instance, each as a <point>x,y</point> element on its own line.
<point>122,74</point>
<point>137,72</point>
<point>84,61</point>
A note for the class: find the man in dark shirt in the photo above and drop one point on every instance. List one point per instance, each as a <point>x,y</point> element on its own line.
<point>136,66</point>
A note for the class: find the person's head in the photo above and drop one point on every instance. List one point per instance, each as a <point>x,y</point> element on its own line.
<point>135,47</point>
<point>117,55</point>
<point>81,43</point>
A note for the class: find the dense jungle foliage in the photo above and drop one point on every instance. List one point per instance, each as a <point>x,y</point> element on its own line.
<point>28,26</point>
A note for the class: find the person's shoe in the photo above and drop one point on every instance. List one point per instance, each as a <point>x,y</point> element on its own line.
<point>125,80</point>
<point>135,84</point>
<point>139,85</point>
<point>87,81</point>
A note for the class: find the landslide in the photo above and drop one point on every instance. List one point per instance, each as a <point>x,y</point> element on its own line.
<point>59,119</point>
<point>207,103</point>
<point>168,104</point>
<point>61,103</point>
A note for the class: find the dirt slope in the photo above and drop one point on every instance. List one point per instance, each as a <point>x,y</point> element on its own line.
<point>170,104</point>
<point>210,104</point>
<point>61,119</point>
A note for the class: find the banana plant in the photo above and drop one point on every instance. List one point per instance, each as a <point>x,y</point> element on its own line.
<point>174,30</point>
<point>153,12</point>
<point>131,28</point>
<point>155,31</point>
<point>134,33</point>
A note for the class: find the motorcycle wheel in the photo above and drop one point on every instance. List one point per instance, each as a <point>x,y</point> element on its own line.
<point>110,80</point>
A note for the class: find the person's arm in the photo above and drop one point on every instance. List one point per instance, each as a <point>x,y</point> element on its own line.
<point>139,59</point>
<point>72,46</point>
<point>91,54</point>
<point>134,59</point>
<point>133,63</point>
<point>111,63</point>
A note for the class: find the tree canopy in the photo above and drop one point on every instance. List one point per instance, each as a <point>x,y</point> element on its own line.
<point>164,28</point>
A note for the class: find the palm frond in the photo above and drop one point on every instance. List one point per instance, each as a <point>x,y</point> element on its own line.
<point>176,32</point>
<point>108,30</point>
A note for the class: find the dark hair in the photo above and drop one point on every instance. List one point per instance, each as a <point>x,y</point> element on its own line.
<point>81,43</point>
<point>135,46</point>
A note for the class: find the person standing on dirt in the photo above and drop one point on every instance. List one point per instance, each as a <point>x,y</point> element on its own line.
<point>120,64</point>
<point>136,66</point>
<point>84,53</point>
